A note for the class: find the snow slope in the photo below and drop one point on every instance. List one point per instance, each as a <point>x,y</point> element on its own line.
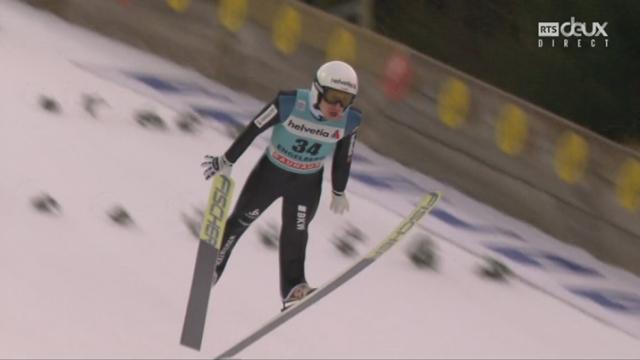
<point>75,285</point>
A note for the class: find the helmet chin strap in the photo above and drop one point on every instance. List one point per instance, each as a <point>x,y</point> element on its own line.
<point>315,97</point>
<point>316,111</point>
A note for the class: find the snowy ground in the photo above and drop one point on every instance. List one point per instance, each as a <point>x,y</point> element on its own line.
<point>75,285</point>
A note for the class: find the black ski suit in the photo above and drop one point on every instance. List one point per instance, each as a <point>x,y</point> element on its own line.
<point>297,178</point>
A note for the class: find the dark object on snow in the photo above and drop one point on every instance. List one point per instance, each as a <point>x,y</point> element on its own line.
<point>188,122</point>
<point>92,102</point>
<point>269,236</point>
<point>120,216</point>
<point>45,203</point>
<point>422,252</point>
<point>345,240</point>
<point>150,119</point>
<point>495,270</point>
<point>193,222</point>
<point>345,247</point>
<point>49,104</point>
<point>353,232</point>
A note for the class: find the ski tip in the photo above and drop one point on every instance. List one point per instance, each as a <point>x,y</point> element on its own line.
<point>434,194</point>
<point>430,198</point>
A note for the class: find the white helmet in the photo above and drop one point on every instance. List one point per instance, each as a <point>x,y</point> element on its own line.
<point>336,75</point>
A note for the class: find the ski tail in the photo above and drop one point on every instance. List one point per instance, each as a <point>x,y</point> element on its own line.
<point>427,203</point>
<point>211,232</point>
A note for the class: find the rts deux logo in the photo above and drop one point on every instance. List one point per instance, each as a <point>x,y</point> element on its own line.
<point>572,34</point>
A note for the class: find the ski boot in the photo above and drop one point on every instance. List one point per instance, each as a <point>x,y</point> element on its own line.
<point>296,294</point>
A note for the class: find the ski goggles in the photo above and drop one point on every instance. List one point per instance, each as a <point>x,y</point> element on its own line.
<point>333,97</point>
